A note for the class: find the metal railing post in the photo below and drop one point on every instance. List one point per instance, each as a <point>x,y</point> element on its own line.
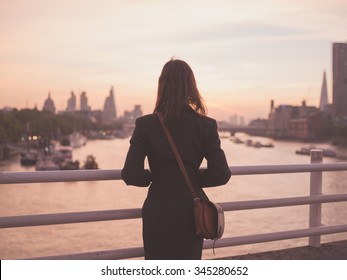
<point>315,189</point>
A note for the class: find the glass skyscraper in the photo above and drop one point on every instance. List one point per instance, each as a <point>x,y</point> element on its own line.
<point>340,79</point>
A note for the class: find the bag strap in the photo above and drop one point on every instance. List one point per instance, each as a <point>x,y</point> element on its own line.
<point>178,157</point>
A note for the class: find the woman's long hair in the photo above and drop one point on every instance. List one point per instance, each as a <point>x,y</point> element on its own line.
<point>177,91</point>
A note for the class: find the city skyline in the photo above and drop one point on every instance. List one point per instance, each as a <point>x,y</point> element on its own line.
<point>108,113</point>
<point>243,54</point>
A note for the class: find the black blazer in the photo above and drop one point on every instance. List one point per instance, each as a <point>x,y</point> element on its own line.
<point>196,138</point>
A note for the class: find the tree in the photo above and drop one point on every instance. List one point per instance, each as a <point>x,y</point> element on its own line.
<point>10,128</point>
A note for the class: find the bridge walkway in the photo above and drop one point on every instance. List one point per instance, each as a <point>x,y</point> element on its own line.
<point>328,251</point>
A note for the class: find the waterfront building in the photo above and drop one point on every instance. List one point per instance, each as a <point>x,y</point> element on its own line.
<point>340,79</point>
<point>296,122</point>
<point>49,104</point>
<point>109,113</point>
<point>298,128</point>
<point>324,94</point>
<point>259,124</point>
<point>71,103</point>
<point>6,109</point>
<point>280,120</point>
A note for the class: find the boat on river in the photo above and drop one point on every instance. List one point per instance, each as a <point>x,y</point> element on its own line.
<point>237,140</point>
<point>77,139</point>
<point>261,145</point>
<point>46,163</point>
<point>307,151</point>
<point>57,159</point>
<point>29,158</point>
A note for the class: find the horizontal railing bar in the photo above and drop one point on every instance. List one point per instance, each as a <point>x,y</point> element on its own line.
<point>275,236</point>
<point>287,168</point>
<point>115,174</point>
<point>134,213</point>
<point>282,202</point>
<point>59,176</point>
<point>137,252</point>
<point>68,218</point>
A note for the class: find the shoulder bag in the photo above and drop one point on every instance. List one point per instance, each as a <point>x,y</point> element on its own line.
<point>208,216</point>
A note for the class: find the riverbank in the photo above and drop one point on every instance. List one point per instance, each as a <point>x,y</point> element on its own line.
<point>6,153</point>
<point>340,142</point>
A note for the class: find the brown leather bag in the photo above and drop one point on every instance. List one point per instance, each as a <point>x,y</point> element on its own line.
<point>209,216</point>
<point>209,219</point>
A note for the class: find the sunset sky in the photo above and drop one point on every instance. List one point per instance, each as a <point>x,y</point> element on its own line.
<point>243,53</point>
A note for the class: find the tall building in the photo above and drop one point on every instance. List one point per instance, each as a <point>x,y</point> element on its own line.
<point>137,112</point>
<point>340,79</point>
<point>49,104</point>
<point>109,113</point>
<point>130,117</point>
<point>84,102</point>
<point>71,103</point>
<point>324,94</point>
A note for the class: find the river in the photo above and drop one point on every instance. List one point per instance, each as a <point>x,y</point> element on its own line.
<point>24,199</point>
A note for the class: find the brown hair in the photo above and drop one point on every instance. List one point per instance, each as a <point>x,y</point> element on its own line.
<point>177,91</point>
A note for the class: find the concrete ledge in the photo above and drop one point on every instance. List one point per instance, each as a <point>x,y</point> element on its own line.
<point>328,251</point>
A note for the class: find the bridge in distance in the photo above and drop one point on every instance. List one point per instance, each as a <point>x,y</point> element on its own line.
<point>244,129</point>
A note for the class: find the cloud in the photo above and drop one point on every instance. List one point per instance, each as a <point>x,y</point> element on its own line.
<point>233,46</point>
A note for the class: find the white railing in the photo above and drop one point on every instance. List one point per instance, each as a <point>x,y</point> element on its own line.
<point>315,199</point>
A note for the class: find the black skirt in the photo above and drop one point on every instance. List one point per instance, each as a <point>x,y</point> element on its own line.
<point>168,229</point>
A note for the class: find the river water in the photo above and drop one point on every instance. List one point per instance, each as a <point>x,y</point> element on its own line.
<point>24,199</point>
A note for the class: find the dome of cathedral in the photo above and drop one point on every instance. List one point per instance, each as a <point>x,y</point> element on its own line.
<point>49,104</point>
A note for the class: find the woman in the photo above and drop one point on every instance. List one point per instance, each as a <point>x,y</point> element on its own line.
<point>167,213</point>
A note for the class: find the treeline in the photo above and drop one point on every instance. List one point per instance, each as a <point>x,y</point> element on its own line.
<point>20,123</point>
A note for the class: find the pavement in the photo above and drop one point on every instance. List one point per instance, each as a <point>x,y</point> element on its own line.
<point>329,251</point>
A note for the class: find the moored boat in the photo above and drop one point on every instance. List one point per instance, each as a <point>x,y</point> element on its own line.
<point>29,158</point>
<point>307,151</point>
<point>46,163</point>
<point>77,140</point>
